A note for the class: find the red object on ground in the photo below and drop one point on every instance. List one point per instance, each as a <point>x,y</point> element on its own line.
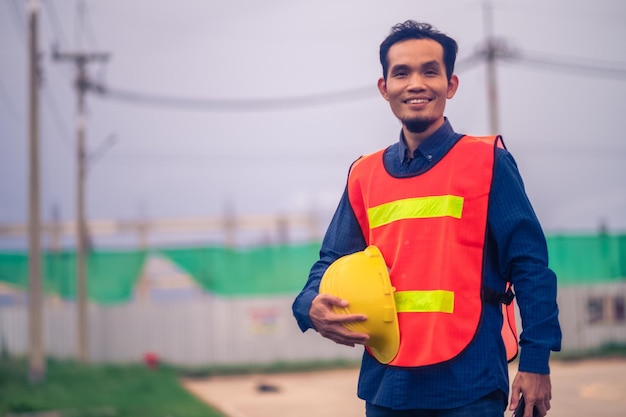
<point>151,359</point>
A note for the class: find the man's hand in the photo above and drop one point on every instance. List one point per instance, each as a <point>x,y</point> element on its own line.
<point>537,391</point>
<point>329,324</point>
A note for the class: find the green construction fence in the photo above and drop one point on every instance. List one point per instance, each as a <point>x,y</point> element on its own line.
<point>271,270</point>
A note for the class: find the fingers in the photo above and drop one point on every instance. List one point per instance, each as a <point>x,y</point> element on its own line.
<point>537,392</point>
<point>533,407</point>
<point>331,325</point>
<point>516,393</point>
<point>532,410</point>
<point>343,336</point>
<point>330,300</point>
<point>514,402</point>
<point>349,318</point>
<point>322,310</point>
<point>335,331</point>
<point>541,408</point>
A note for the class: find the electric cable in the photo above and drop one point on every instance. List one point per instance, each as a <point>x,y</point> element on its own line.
<point>239,105</point>
<point>59,123</point>
<point>567,64</point>
<point>356,94</point>
<point>55,23</point>
<point>49,98</point>
<point>88,29</point>
<point>19,21</point>
<point>15,114</point>
<point>468,63</point>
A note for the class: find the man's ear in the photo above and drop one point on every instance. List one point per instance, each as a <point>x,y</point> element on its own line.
<point>453,85</point>
<point>382,87</point>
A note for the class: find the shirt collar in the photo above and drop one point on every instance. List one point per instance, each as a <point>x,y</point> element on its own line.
<point>433,147</point>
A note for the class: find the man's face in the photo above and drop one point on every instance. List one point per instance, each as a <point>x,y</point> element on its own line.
<point>417,87</point>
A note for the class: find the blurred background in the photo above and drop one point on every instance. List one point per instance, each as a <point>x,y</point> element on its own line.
<point>210,106</point>
<point>200,148</point>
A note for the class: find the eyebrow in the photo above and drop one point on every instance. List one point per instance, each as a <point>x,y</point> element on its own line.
<point>428,64</point>
<point>432,63</point>
<point>399,67</point>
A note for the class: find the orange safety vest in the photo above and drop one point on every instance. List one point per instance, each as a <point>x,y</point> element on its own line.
<point>431,231</point>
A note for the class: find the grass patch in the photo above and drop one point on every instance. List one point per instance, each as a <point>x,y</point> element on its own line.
<point>74,390</point>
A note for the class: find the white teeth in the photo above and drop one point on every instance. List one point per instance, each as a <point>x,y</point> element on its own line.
<point>417,101</point>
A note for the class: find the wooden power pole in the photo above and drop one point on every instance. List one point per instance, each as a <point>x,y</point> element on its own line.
<point>37,363</point>
<point>491,55</point>
<point>82,84</point>
<point>493,50</point>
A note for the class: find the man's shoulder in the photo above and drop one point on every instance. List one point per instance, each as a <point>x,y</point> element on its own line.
<point>372,155</point>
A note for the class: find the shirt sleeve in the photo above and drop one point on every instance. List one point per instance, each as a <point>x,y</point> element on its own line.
<point>343,237</point>
<point>523,260</point>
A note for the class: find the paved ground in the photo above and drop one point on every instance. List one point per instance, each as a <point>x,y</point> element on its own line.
<point>594,388</point>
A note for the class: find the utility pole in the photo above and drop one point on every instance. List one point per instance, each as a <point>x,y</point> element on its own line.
<point>491,51</point>
<point>37,363</point>
<point>82,84</point>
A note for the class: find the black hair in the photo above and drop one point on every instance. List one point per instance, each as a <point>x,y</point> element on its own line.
<point>416,30</point>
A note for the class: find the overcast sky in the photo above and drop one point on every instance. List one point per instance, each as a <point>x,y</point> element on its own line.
<point>564,127</point>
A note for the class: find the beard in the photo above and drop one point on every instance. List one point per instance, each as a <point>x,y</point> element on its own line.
<point>417,125</point>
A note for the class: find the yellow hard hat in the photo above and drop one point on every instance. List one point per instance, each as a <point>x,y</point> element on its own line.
<point>363,280</point>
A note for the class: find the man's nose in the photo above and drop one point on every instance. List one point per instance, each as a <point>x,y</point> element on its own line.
<point>416,81</point>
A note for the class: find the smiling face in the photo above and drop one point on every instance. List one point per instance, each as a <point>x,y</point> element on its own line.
<point>417,87</point>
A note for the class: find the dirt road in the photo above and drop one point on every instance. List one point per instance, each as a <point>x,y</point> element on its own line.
<point>583,388</point>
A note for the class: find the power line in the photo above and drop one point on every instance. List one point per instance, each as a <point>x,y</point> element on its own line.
<point>79,24</point>
<point>83,27</point>
<point>8,103</point>
<point>566,64</point>
<point>90,32</point>
<point>53,18</point>
<point>563,64</point>
<point>59,123</point>
<point>468,63</point>
<point>610,69</point>
<point>242,105</point>
<point>49,97</point>
<point>498,48</point>
<point>18,19</point>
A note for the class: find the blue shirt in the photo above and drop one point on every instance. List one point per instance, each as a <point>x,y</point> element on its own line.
<point>515,251</point>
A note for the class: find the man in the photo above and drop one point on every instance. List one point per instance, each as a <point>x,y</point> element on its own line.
<point>456,223</point>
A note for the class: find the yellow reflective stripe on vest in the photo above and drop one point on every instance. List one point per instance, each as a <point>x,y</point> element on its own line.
<point>415,208</point>
<point>436,301</point>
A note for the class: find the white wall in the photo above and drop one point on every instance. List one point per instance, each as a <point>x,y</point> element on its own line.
<point>203,331</point>
<point>207,330</point>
